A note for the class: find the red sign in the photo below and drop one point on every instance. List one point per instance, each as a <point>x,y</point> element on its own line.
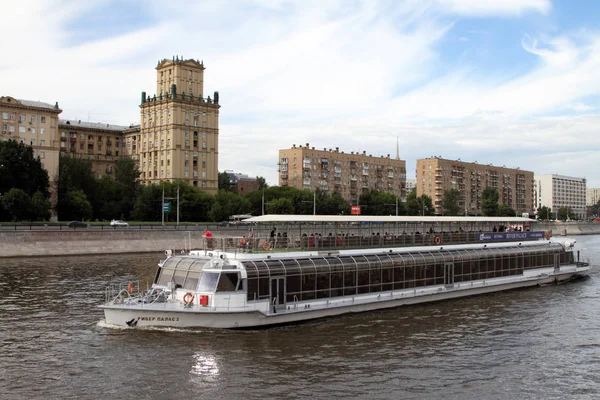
<point>355,210</point>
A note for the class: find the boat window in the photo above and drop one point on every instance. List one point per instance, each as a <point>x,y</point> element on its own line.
<point>191,282</point>
<point>275,267</point>
<point>228,282</point>
<point>208,282</point>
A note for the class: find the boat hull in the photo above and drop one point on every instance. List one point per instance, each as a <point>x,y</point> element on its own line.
<point>177,316</point>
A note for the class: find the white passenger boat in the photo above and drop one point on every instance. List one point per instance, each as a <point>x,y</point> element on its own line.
<point>243,283</point>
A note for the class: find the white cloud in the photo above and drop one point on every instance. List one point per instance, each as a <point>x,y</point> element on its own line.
<point>334,74</point>
<point>494,7</point>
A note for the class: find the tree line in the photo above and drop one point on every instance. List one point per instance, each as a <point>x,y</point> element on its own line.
<point>81,195</point>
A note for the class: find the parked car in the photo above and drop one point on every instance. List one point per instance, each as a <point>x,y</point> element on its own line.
<point>224,223</point>
<point>77,224</point>
<point>118,222</point>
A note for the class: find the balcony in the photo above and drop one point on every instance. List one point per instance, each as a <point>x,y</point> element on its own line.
<point>63,138</point>
<point>73,139</point>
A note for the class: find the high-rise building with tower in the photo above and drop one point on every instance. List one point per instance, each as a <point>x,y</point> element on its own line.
<point>178,136</point>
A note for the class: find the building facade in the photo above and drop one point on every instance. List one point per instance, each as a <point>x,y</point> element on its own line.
<point>102,144</point>
<point>592,196</point>
<point>36,124</point>
<point>242,184</point>
<point>178,136</point>
<point>436,175</point>
<point>349,174</point>
<point>556,191</point>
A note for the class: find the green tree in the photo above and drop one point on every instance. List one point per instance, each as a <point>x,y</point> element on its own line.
<point>505,210</point>
<point>566,213</point>
<point>421,205</point>
<point>334,204</point>
<point>79,206</point>
<point>490,198</point>
<point>280,206</point>
<point>148,205</point>
<point>224,181</point>
<point>380,203</point>
<point>127,175</point>
<point>450,203</point>
<point>75,174</point>
<point>19,169</point>
<point>18,204</point>
<point>40,207</point>
<point>262,183</point>
<point>544,213</point>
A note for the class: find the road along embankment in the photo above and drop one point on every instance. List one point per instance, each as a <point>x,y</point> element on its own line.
<point>84,242</point>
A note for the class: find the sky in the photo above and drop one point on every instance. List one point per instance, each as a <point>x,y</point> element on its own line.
<point>511,83</point>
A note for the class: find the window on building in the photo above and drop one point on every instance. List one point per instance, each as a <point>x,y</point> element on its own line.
<point>4,127</point>
<point>22,117</point>
<point>42,142</point>
<point>203,155</point>
<point>43,120</point>
<point>4,115</point>
<point>11,116</point>
<point>203,184</point>
<point>42,131</point>
<point>32,130</point>
<point>22,129</point>
<point>33,117</point>
<point>203,123</point>
<point>203,145</point>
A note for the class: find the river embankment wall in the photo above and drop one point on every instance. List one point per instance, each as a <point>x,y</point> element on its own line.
<point>83,242</point>
<point>92,242</point>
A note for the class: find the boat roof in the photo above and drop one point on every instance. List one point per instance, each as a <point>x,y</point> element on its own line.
<point>380,218</point>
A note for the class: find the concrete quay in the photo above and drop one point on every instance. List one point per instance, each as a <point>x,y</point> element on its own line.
<point>84,242</point>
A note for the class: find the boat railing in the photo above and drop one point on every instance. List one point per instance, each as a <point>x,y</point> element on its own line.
<point>266,243</point>
<point>121,291</point>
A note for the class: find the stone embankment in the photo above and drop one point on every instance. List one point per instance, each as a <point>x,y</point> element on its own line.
<point>569,228</point>
<point>89,242</point>
<point>82,242</point>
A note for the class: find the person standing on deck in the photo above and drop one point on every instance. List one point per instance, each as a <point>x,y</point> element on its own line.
<point>209,238</point>
<point>272,237</point>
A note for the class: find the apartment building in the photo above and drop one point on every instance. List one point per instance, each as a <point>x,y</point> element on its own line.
<point>34,123</point>
<point>436,175</point>
<point>349,174</point>
<point>103,144</point>
<point>556,191</point>
<point>592,196</point>
<point>178,136</point>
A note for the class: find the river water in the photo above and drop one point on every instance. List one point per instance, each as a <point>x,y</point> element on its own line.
<point>541,343</point>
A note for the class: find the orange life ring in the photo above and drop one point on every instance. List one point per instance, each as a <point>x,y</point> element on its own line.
<point>130,287</point>
<point>188,298</point>
<point>548,236</point>
<point>266,246</point>
<point>437,240</point>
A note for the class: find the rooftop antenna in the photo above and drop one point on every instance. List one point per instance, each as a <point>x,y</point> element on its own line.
<point>397,149</point>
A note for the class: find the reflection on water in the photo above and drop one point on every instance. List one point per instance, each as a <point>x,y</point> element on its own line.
<point>537,343</point>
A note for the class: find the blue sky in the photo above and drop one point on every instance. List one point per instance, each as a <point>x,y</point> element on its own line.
<point>510,82</point>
